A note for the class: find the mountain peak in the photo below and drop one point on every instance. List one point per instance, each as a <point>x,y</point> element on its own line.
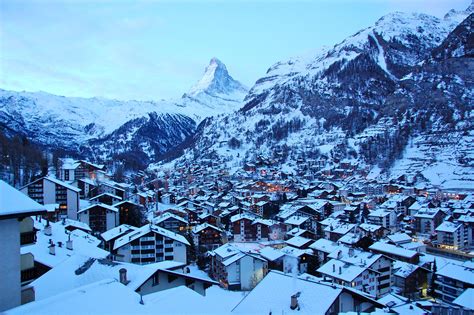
<point>217,81</point>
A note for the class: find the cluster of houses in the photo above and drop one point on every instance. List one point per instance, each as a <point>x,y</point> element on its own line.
<point>367,245</point>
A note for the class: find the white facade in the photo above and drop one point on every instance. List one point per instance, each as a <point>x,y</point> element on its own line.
<point>10,271</point>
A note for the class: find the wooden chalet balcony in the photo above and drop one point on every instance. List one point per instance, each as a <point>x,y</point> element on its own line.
<point>27,238</point>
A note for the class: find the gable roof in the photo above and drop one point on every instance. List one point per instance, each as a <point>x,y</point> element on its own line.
<point>14,203</point>
<point>315,298</point>
<point>56,181</point>
<point>133,235</point>
<point>101,205</point>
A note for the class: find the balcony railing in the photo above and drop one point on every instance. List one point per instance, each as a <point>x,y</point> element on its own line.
<point>27,238</point>
<point>28,274</point>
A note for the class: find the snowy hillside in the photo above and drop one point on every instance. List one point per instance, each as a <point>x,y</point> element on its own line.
<point>71,122</point>
<point>363,100</point>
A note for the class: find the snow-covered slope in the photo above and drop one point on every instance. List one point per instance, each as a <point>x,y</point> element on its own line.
<point>364,99</point>
<point>92,123</point>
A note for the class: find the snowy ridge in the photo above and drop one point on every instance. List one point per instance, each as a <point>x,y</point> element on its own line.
<point>109,126</point>
<point>363,101</point>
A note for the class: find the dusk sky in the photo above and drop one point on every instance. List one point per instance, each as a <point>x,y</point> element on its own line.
<point>158,49</point>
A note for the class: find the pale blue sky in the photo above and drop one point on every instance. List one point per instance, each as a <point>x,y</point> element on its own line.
<point>159,49</point>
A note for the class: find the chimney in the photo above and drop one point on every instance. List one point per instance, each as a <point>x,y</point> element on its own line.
<point>294,301</point>
<point>52,249</point>
<point>339,254</point>
<point>123,276</point>
<point>333,267</point>
<point>351,252</point>
<point>69,242</point>
<point>340,269</point>
<point>47,230</point>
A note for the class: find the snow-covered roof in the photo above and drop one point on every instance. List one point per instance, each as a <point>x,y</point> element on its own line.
<point>463,273</point>
<point>466,299</point>
<point>402,305</point>
<point>369,227</point>
<point>427,213</point>
<point>76,224</point>
<point>205,225</point>
<point>340,228</point>
<point>133,235</point>
<point>270,253</point>
<point>324,245</point>
<point>103,297</point>
<point>296,220</point>
<point>117,231</point>
<point>298,241</point>
<point>314,298</point>
<point>295,252</point>
<point>168,215</point>
<point>392,249</point>
<point>83,244</point>
<point>14,202</point>
<point>350,238</point>
<point>80,270</point>
<point>448,227</point>
<point>403,269</point>
<point>101,205</point>
<point>341,270</point>
<point>355,256</point>
<point>57,181</point>
<point>243,215</point>
<point>398,238</point>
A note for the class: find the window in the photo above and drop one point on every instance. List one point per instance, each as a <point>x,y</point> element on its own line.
<point>156,279</point>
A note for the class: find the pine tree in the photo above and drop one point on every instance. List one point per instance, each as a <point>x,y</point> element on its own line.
<point>433,285</point>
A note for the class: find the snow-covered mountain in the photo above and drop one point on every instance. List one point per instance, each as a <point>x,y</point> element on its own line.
<point>105,127</point>
<point>366,99</point>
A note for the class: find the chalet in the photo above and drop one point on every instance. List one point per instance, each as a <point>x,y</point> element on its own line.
<point>71,170</point>
<point>209,218</point>
<point>100,217</point>
<point>358,277</point>
<point>171,222</point>
<point>383,217</point>
<point>150,244</point>
<point>16,229</point>
<point>337,230</point>
<point>323,247</point>
<point>380,263</point>
<point>207,235</point>
<point>411,280</point>
<point>372,230</point>
<point>242,227</point>
<point>129,212</point>
<point>427,220</point>
<point>117,189</point>
<point>296,260</point>
<point>111,235</point>
<point>300,222</point>
<point>235,269</point>
<point>89,188</point>
<point>450,235</point>
<point>49,190</point>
